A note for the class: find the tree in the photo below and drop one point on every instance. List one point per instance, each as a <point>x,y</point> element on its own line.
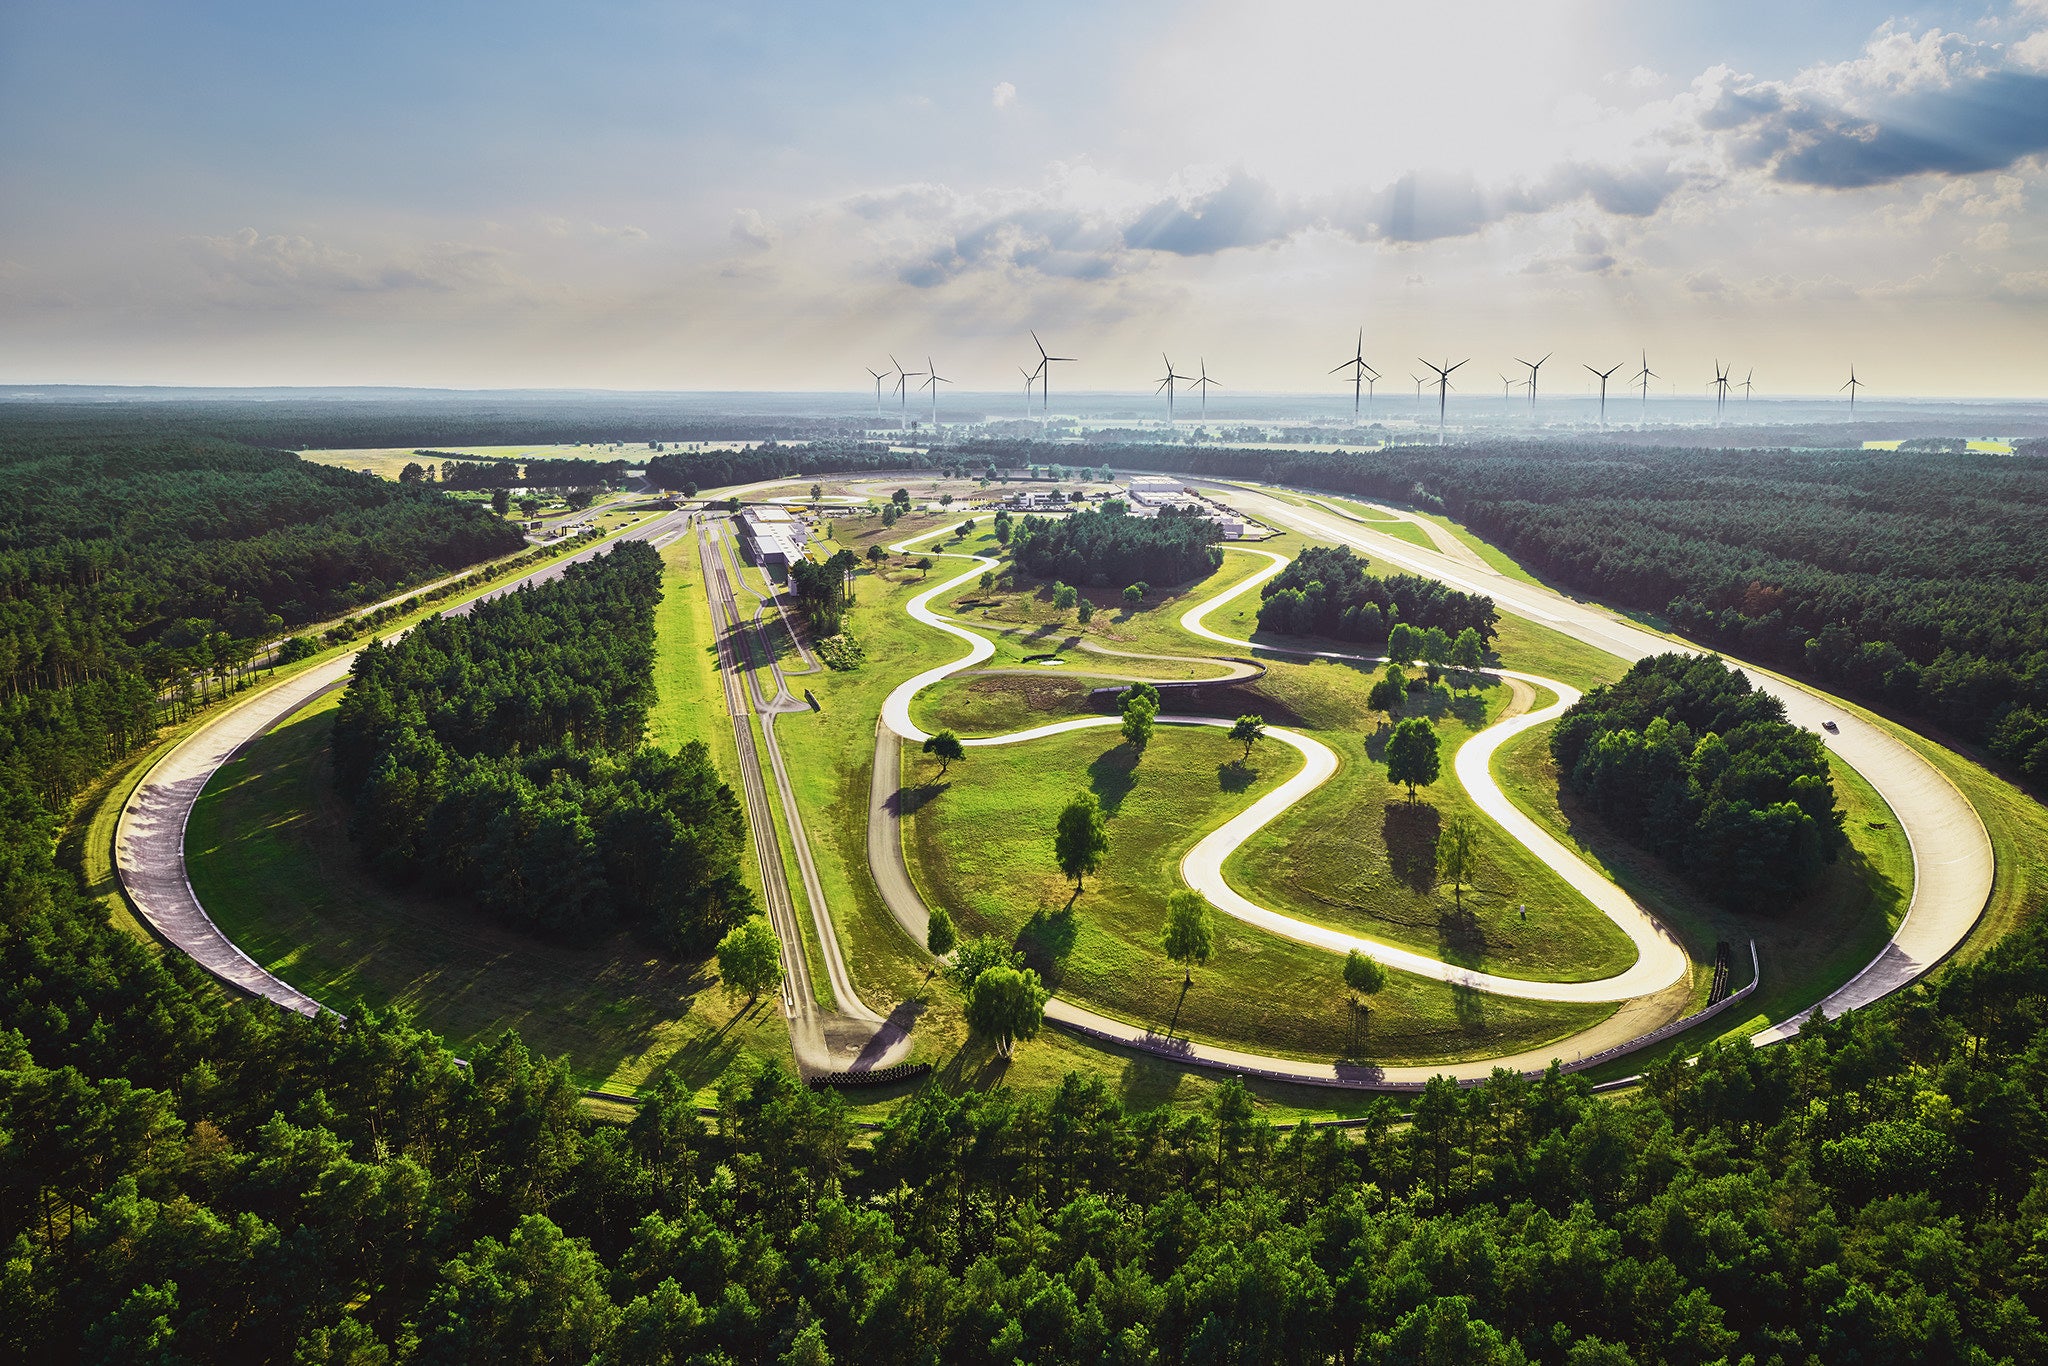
<point>501,501</point>
<point>1412,754</point>
<point>817,492</point>
<point>939,935</point>
<point>1389,693</point>
<point>1189,938</point>
<point>1404,643</point>
<point>1006,1004</point>
<point>876,555</point>
<point>1133,595</point>
<point>413,473</point>
<point>1137,724</point>
<point>1003,528</point>
<point>1139,689</point>
<point>1081,837</point>
<point>890,514</point>
<point>946,748</point>
<point>923,565</point>
<point>1063,596</point>
<point>733,505</point>
<point>579,499</point>
<point>988,579</point>
<point>750,958</point>
<point>1435,646</point>
<point>901,498</point>
<point>1467,652</point>
<point>1457,854</point>
<point>975,956</point>
<point>1247,731</point>
<point>689,488</point>
<point>1086,611</point>
<point>1364,976</point>
<point>529,506</point>
<point>945,500</point>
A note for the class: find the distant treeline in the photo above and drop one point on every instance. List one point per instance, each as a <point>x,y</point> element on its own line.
<point>1918,582</point>
<point>1325,591</point>
<point>499,757</point>
<point>463,473</point>
<point>1685,758</point>
<point>1112,547</point>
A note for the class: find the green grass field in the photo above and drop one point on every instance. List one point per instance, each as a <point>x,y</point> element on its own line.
<point>981,843</point>
<point>271,861</point>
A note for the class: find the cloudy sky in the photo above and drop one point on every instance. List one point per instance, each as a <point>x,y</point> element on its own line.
<point>685,196</point>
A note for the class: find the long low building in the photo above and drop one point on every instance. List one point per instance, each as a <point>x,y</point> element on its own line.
<point>772,536</point>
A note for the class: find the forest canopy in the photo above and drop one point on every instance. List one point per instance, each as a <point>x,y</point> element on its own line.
<point>499,758</point>
<point>1325,591</point>
<point>1102,547</point>
<point>1685,758</point>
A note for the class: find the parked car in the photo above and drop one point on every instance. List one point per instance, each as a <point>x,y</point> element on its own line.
<point>1830,728</point>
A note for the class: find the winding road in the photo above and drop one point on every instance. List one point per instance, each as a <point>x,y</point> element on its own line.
<point>1952,855</point>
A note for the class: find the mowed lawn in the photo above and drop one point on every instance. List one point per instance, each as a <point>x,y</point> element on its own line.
<point>1358,855</point>
<point>981,843</point>
<point>271,861</point>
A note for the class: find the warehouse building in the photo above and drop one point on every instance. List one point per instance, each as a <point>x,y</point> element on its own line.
<point>772,536</point>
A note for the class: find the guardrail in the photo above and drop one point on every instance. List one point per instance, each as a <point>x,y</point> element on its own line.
<point>880,1076</point>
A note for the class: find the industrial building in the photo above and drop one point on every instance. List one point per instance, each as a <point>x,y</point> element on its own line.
<point>1156,490</point>
<point>772,536</point>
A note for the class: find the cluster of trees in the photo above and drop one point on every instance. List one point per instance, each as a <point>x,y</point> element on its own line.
<point>1108,546</point>
<point>499,757</point>
<point>1916,581</point>
<point>1685,758</point>
<point>139,578</point>
<point>1325,591</point>
<point>820,590</point>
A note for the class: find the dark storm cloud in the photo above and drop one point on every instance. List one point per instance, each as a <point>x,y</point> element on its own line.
<point>1982,122</point>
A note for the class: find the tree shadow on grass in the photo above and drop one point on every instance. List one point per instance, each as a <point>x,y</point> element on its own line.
<point>976,1066</point>
<point>1469,1005</point>
<point>1461,938</point>
<point>1410,830</point>
<point>909,800</point>
<point>1046,940</point>
<point>1236,775</point>
<point>1113,774</point>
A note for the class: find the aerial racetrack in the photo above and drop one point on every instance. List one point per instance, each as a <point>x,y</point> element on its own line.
<point>1951,854</point>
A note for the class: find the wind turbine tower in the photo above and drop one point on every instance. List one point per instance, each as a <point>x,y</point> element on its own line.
<point>1167,384</point>
<point>1720,390</point>
<point>1604,374</point>
<point>1643,377</point>
<point>933,379</point>
<point>903,378</point>
<point>1745,387</point>
<point>1361,374</point>
<point>1443,389</point>
<point>879,375</point>
<point>1852,386</point>
<point>1030,378</point>
<point>1532,378</point>
<point>1045,364</point>
<point>1203,384</point>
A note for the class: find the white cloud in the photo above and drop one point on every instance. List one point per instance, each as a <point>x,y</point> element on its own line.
<point>1004,95</point>
<point>287,262</point>
<point>750,229</point>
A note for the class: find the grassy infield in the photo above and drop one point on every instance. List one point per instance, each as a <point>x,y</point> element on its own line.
<point>271,861</point>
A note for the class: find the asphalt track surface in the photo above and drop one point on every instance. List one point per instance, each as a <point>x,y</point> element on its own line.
<point>1953,861</point>
<point>149,838</point>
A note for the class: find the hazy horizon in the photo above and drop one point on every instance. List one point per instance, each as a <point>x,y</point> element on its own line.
<point>690,198</point>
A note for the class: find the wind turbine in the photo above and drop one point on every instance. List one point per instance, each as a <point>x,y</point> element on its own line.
<point>1167,384</point>
<point>1852,386</point>
<point>933,379</point>
<point>903,378</point>
<point>1203,384</point>
<point>879,375</point>
<point>1030,378</point>
<point>1045,373</point>
<point>1532,377</point>
<point>1361,373</point>
<point>1418,389</point>
<point>1644,376</point>
<point>1443,390</point>
<point>1603,387</point>
<point>1507,388</point>
<point>1720,390</point>
<point>1745,386</point>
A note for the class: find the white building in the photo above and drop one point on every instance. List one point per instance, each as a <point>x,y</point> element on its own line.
<point>772,536</point>
<point>1156,490</point>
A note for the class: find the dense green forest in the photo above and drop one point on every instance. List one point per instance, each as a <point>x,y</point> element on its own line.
<point>499,756</point>
<point>187,1176</point>
<point>1110,546</point>
<point>1325,591</point>
<point>1684,757</point>
<point>1915,581</point>
<point>138,577</point>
